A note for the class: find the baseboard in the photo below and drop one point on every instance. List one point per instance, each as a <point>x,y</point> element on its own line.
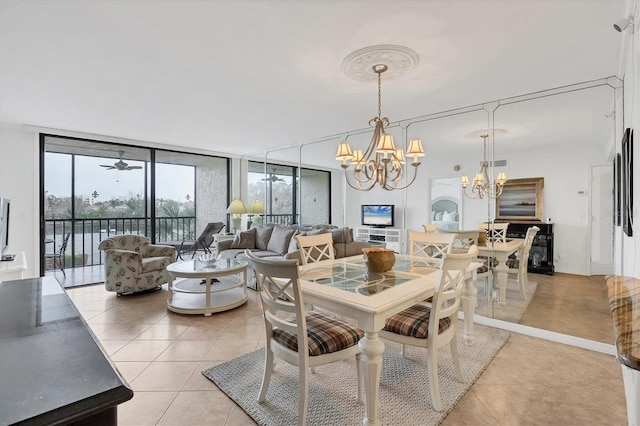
<point>566,339</point>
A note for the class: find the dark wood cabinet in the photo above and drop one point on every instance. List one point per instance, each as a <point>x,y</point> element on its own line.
<point>541,254</point>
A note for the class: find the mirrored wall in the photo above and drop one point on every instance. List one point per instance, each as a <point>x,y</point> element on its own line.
<point>565,135</point>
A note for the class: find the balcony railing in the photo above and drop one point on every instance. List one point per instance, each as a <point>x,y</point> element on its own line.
<point>279,219</point>
<point>82,248</point>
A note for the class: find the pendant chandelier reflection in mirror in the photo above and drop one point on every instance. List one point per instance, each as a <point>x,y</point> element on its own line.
<point>382,163</point>
<point>482,186</point>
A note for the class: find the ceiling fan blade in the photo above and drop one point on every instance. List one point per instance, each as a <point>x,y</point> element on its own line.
<point>107,167</point>
<point>132,167</point>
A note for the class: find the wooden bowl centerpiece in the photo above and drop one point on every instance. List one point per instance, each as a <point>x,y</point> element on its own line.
<point>379,259</point>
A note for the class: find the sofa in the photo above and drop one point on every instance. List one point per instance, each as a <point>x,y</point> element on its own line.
<point>133,265</point>
<point>278,242</point>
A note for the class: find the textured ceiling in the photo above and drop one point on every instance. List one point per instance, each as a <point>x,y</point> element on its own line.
<point>244,76</point>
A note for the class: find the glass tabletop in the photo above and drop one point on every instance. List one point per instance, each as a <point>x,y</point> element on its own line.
<point>354,277</point>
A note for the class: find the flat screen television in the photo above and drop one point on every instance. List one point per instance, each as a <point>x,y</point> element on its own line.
<point>4,224</point>
<point>378,215</point>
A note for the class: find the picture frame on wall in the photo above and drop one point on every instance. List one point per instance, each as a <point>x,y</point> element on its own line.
<point>521,200</point>
<point>617,191</point>
<point>627,182</point>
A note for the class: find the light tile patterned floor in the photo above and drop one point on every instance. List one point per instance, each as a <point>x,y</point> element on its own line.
<point>161,355</point>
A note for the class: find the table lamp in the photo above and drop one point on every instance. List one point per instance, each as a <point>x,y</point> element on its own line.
<point>256,208</point>
<point>236,209</point>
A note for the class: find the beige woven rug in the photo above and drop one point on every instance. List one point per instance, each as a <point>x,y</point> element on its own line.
<point>404,389</point>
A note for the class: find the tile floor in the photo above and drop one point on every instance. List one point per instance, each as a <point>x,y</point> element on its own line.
<point>161,354</point>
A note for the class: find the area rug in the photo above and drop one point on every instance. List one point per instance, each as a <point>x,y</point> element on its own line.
<point>516,304</point>
<point>404,389</point>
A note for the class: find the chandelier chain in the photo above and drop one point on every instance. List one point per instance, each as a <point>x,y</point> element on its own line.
<point>379,94</point>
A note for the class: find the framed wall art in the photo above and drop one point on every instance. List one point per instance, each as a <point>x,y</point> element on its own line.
<point>521,200</point>
<point>617,192</point>
<point>627,182</point>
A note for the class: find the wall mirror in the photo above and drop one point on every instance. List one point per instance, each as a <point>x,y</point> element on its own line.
<point>565,136</point>
<point>562,135</point>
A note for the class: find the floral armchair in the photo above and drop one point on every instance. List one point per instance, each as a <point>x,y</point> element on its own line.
<point>133,265</point>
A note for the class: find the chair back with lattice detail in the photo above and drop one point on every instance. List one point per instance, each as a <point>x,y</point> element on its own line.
<point>446,298</point>
<point>314,248</point>
<point>431,246</point>
<point>277,281</point>
<point>496,232</point>
<point>464,240</point>
<point>295,335</point>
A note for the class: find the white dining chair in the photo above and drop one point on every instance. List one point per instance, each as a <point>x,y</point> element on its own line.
<point>518,265</point>
<point>431,228</point>
<point>302,338</point>
<point>496,232</point>
<point>430,246</point>
<point>462,243</point>
<point>435,326</point>
<point>314,248</point>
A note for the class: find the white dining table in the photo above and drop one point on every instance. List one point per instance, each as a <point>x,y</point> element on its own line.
<point>344,286</point>
<point>501,252</point>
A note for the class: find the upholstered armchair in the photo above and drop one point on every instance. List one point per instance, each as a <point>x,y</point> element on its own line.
<point>132,265</point>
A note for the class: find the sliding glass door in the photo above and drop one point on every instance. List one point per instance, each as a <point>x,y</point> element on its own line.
<point>93,190</point>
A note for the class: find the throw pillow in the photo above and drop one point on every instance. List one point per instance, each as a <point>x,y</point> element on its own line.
<point>293,243</point>
<point>280,239</point>
<point>263,234</point>
<point>433,215</point>
<point>449,217</point>
<point>245,240</point>
<point>439,215</point>
<point>342,235</point>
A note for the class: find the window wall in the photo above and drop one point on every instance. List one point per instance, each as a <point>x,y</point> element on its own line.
<point>290,194</point>
<point>119,189</point>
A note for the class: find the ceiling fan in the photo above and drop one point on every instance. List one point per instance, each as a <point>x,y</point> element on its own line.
<point>120,165</point>
<point>272,177</point>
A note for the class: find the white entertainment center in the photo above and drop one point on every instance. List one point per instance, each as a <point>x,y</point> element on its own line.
<point>392,237</point>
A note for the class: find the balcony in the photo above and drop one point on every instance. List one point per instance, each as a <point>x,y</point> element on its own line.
<point>82,248</point>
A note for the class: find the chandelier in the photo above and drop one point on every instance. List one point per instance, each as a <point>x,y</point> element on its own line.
<point>382,162</point>
<point>482,185</point>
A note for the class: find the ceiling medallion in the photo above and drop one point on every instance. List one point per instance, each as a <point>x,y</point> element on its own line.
<point>399,60</point>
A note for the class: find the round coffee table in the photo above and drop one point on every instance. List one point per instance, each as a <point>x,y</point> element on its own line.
<point>205,287</point>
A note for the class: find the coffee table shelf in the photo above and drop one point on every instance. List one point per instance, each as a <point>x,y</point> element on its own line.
<point>224,288</point>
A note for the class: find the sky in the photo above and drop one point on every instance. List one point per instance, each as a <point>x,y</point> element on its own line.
<point>174,182</point>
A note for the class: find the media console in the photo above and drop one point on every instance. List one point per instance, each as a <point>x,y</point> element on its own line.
<point>392,237</point>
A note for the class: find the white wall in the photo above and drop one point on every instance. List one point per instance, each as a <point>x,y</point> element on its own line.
<point>631,245</point>
<point>19,183</point>
<point>565,171</point>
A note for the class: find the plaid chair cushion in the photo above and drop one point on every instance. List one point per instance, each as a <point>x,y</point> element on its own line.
<point>513,263</point>
<point>414,322</point>
<point>484,268</point>
<point>326,334</point>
